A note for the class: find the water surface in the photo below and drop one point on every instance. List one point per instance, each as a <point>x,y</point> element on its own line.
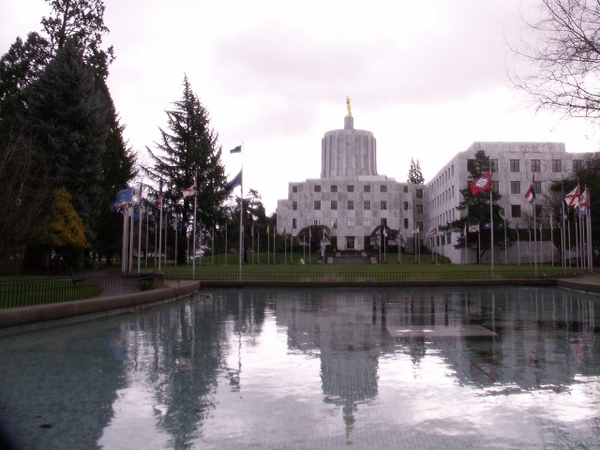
<point>417,368</point>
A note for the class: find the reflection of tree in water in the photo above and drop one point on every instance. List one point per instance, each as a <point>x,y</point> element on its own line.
<point>64,356</point>
<point>181,350</point>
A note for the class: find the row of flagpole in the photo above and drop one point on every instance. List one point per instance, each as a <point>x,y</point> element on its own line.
<point>581,203</point>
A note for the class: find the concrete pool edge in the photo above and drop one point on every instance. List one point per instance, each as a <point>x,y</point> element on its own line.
<point>15,320</point>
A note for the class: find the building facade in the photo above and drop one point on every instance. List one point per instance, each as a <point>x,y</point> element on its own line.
<point>515,166</point>
<point>352,200</point>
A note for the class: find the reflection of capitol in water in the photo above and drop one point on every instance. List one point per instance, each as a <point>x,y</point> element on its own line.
<point>319,368</point>
<point>510,340</point>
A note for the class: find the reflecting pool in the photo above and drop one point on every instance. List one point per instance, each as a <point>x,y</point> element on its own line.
<point>479,368</point>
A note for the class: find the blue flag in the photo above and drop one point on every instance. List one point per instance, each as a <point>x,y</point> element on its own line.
<point>237,181</point>
<point>122,198</point>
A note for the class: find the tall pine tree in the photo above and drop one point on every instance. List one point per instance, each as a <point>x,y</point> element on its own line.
<point>188,151</point>
<point>66,116</point>
<point>415,175</point>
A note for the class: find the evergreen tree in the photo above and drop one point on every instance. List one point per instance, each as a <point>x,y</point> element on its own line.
<point>415,175</point>
<point>477,208</point>
<point>66,116</point>
<point>118,169</point>
<point>186,152</point>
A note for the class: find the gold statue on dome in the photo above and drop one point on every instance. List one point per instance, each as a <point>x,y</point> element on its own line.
<point>349,106</point>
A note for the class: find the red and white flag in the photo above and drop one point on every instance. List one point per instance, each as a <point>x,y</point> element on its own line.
<point>572,198</point>
<point>481,184</point>
<point>190,191</point>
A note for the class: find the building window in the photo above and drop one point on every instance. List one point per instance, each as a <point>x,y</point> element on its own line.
<point>515,165</point>
<point>383,205</point>
<point>420,226</point>
<point>515,211</point>
<point>317,221</point>
<point>494,163</point>
<point>470,165</point>
<point>294,224</point>
<point>350,222</point>
<point>294,188</point>
<point>495,186</point>
<point>515,187</point>
<point>419,193</point>
<point>350,205</point>
<point>406,224</point>
<point>405,206</point>
<point>350,188</point>
<point>317,205</point>
<point>334,188</point>
<point>334,223</point>
<point>383,188</point>
<point>577,165</point>
<point>405,189</point>
<point>419,209</point>
<point>538,211</point>
<point>367,188</point>
<point>556,165</point>
<point>536,165</point>
<point>317,188</point>
<point>367,222</point>
<point>333,205</point>
<point>294,205</point>
<point>367,205</point>
<point>537,187</point>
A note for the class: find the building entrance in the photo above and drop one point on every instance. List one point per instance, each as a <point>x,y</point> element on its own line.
<point>350,243</point>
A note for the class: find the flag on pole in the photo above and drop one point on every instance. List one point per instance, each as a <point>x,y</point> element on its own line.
<point>481,184</point>
<point>236,181</point>
<point>237,149</point>
<point>474,228</point>
<point>530,194</point>
<point>572,198</point>
<point>584,203</point>
<point>433,232</point>
<point>416,230</point>
<point>191,190</point>
<point>122,199</point>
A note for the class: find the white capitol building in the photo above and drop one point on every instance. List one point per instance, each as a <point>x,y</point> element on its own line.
<point>354,203</point>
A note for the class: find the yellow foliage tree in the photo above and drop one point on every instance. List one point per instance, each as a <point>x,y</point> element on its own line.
<point>64,227</point>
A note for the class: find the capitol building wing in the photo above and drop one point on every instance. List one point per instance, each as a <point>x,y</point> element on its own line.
<point>351,199</point>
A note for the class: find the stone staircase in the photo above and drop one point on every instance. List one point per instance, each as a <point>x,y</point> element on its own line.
<point>349,257</point>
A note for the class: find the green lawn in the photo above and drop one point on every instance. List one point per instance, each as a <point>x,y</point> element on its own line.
<point>27,290</point>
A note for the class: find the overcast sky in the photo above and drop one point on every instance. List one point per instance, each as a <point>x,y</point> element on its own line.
<point>427,78</point>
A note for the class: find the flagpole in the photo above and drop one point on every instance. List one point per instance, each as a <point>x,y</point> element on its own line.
<point>194,237</point>
<point>552,238</point>
<point>131,229</point>
<point>140,216</point>
<point>160,196</point>
<point>518,246</point>
<point>124,241</point>
<point>491,227</point>
<point>562,235</point>
<point>534,240</point>
<point>466,244</point>
<point>241,244</point>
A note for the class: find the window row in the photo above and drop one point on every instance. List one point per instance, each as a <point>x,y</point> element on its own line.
<point>535,165</point>
<point>350,205</point>
<point>350,223</point>
<point>516,211</point>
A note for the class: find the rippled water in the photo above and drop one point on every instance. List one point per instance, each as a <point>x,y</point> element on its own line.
<point>310,369</point>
